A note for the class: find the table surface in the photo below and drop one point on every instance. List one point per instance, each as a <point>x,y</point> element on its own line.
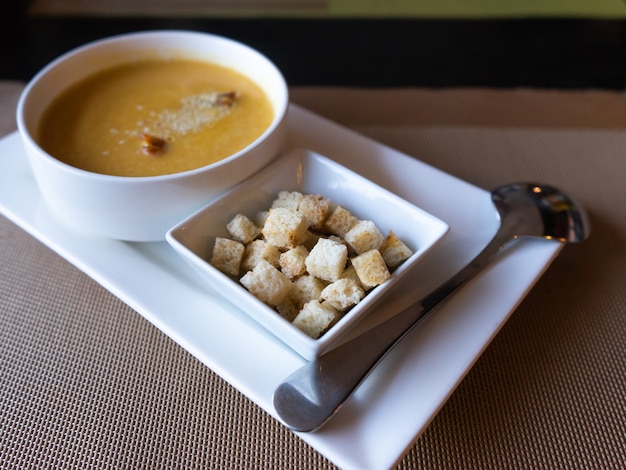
<point>85,381</point>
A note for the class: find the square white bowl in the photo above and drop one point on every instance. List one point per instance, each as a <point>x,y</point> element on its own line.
<point>307,172</point>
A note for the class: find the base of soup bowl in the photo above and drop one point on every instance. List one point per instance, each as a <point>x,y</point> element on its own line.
<point>143,208</point>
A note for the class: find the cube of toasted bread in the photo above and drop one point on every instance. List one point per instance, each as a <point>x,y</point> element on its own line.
<point>308,287</point>
<point>394,250</point>
<point>311,239</point>
<point>242,229</point>
<point>327,259</point>
<point>342,294</point>
<point>315,318</point>
<point>340,221</point>
<point>257,250</point>
<point>267,283</point>
<point>292,262</point>
<point>315,208</point>
<point>285,228</point>
<point>371,268</point>
<point>350,273</point>
<point>290,306</point>
<point>364,236</point>
<point>338,239</point>
<point>288,199</point>
<point>227,255</point>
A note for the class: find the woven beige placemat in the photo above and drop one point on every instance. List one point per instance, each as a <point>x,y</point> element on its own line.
<point>86,382</point>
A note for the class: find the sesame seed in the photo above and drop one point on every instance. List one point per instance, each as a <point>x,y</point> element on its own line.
<point>194,113</point>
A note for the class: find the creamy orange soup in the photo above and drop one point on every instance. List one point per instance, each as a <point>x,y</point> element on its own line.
<point>155,117</point>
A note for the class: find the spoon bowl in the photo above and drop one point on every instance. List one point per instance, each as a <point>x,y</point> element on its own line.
<point>310,396</point>
<point>541,211</point>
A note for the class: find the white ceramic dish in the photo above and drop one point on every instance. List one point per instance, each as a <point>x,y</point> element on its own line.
<point>144,208</point>
<point>308,173</point>
<point>400,398</point>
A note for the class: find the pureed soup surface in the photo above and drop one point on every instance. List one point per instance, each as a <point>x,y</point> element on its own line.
<point>155,117</point>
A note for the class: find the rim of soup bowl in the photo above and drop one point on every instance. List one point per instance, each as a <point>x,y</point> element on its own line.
<point>26,131</point>
<point>177,194</point>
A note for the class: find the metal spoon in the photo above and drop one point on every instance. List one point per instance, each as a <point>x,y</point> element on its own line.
<point>310,396</point>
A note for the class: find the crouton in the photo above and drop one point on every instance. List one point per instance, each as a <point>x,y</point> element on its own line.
<point>311,239</point>
<point>288,199</point>
<point>371,268</point>
<point>327,259</point>
<point>242,229</point>
<point>337,238</point>
<point>315,208</point>
<point>394,251</point>
<point>350,273</point>
<point>227,255</point>
<point>342,294</point>
<point>267,283</point>
<point>340,240</point>
<point>290,306</point>
<point>257,250</point>
<point>340,221</point>
<point>292,262</point>
<point>285,228</point>
<point>315,318</point>
<point>364,236</point>
<point>308,287</point>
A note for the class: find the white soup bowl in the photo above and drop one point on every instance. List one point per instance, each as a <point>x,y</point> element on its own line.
<point>144,208</point>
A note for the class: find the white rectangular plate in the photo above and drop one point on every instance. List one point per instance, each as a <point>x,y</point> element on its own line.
<point>399,399</point>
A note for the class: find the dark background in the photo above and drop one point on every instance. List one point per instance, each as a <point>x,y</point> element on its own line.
<point>539,53</point>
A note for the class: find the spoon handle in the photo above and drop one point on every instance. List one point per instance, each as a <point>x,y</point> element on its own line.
<point>311,395</point>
